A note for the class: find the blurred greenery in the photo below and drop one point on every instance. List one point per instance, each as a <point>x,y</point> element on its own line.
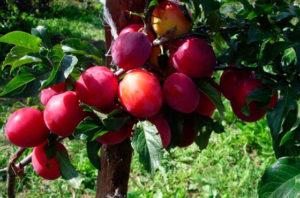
<point>230,166</point>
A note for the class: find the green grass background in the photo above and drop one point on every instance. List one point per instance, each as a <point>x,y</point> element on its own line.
<point>231,166</point>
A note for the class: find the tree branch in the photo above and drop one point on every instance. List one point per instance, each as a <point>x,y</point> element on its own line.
<point>12,172</point>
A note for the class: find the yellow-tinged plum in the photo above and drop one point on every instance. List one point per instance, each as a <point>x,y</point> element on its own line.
<point>47,93</point>
<point>98,87</point>
<point>181,93</point>
<point>169,19</point>
<point>116,137</point>
<point>47,168</point>
<point>131,50</point>
<point>140,93</point>
<point>194,57</point>
<point>26,128</point>
<point>63,113</point>
<point>163,129</point>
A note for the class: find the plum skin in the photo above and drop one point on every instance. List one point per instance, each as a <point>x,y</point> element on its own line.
<point>97,86</point>
<point>26,128</point>
<point>163,129</point>
<point>140,93</point>
<point>239,101</point>
<point>131,50</point>
<point>181,93</point>
<point>47,93</point>
<point>194,57</point>
<point>47,168</point>
<point>62,113</point>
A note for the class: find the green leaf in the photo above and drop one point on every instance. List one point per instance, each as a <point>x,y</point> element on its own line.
<point>281,179</point>
<point>276,116</point>
<point>66,168</point>
<point>208,89</point>
<point>93,149</point>
<point>81,47</point>
<point>41,32</point>
<point>289,57</point>
<point>261,95</point>
<point>203,139</point>
<point>22,39</point>
<point>62,71</point>
<point>219,43</point>
<point>16,53</point>
<point>231,9</point>
<point>147,143</point>
<point>87,128</point>
<point>287,137</point>
<point>152,3</point>
<point>16,83</point>
<point>25,60</point>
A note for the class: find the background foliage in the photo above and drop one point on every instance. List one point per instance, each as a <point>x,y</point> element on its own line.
<point>262,35</point>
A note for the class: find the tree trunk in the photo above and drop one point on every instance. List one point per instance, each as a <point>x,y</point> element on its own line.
<point>113,178</point>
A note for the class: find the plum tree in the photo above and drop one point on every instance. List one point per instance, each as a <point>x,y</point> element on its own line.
<point>264,39</point>
<point>131,50</point>
<point>26,128</point>
<point>47,167</point>
<point>116,137</point>
<point>169,18</point>
<point>163,128</point>
<point>140,93</point>
<point>193,57</point>
<point>181,93</point>
<point>47,93</point>
<point>98,87</point>
<point>62,113</point>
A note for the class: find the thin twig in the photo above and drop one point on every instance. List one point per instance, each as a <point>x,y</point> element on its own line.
<point>12,172</point>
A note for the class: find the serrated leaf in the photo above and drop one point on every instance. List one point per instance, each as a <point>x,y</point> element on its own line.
<point>281,179</point>
<point>16,83</point>
<point>22,39</point>
<point>66,168</point>
<point>147,143</point>
<point>208,89</point>
<point>93,149</point>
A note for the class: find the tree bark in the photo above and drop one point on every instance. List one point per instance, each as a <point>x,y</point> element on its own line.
<point>113,178</point>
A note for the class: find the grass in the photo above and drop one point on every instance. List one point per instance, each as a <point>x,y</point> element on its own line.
<point>231,166</point>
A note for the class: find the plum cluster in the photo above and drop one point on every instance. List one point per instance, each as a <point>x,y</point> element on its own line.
<point>147,90</point>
